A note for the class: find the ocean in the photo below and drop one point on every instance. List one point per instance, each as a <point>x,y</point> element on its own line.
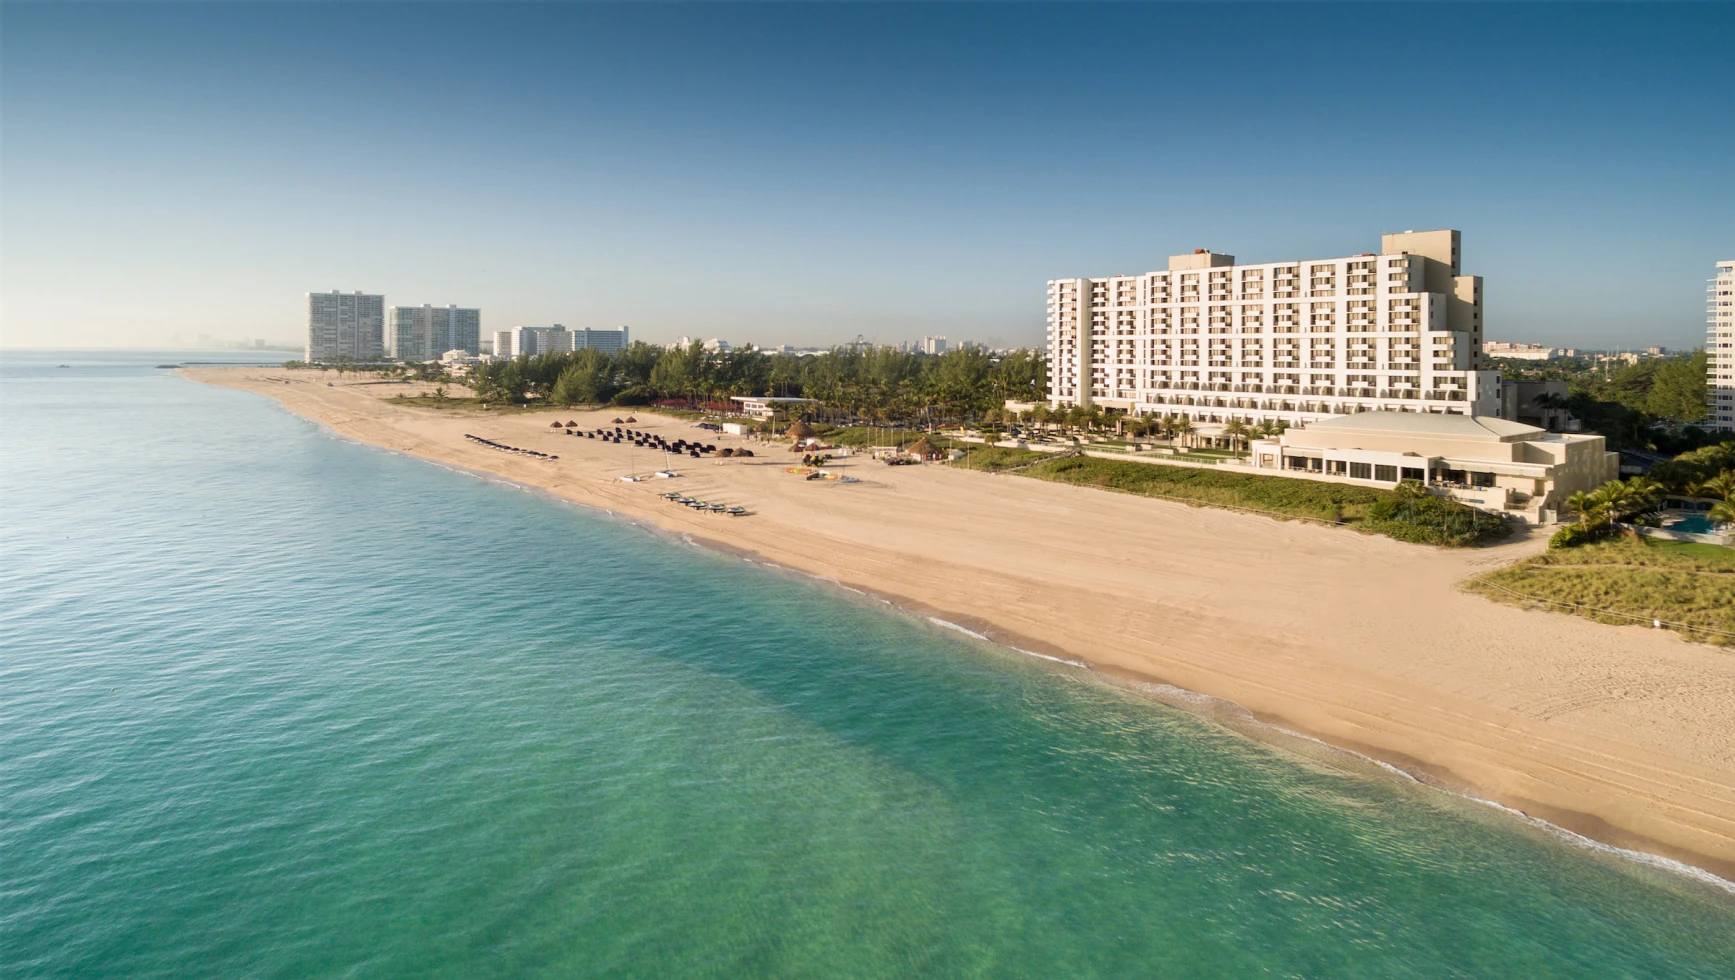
<point>274,704</point>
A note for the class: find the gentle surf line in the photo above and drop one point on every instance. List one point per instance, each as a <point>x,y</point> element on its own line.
<point>1644,858</point>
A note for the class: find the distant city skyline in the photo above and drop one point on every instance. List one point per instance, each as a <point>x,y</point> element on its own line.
<point>804,174</point>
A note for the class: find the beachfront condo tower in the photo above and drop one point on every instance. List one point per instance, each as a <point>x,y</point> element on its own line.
<point>424,333</point>
<point>345,326</point>
<point>1293,341</point>
<point>1720,345</point>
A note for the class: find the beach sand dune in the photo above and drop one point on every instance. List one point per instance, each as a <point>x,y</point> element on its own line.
<point>1623,734</point>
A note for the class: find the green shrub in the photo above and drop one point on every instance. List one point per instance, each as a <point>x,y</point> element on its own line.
<point>1423,520</point>
<point>1576,535</point>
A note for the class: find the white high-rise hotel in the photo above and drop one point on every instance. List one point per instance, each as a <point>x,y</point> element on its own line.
<point>1720,345</point>
<point>1295,341</point>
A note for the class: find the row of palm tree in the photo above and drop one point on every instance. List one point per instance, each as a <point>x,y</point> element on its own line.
<point>1721,487</point>
<point>1614,501</point>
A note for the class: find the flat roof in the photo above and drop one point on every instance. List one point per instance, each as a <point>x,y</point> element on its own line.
<point>1428,423</point>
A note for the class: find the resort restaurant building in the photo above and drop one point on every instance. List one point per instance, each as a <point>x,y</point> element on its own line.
<point>1489,463</point>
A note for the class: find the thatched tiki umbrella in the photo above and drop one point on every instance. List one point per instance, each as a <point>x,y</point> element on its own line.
<point>798,431</point>
<point>924,448</point>
<point>554,425</point>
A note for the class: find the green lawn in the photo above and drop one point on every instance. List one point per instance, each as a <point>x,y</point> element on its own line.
<point>1690,587</point>
<point>1430,521</point>
<point>1694,549</point>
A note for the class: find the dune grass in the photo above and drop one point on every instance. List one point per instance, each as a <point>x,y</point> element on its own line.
<point>1627,582</point>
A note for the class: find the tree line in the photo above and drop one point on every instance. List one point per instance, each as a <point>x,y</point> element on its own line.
<point>871,383</point>
<point>1653,404</point>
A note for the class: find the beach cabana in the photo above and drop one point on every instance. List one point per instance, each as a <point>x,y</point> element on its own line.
<point>923,448</point>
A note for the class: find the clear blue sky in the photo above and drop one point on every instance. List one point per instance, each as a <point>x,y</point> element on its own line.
<point>804,173</point>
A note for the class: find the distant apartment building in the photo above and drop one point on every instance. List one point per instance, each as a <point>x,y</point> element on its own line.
<point>1295,341</point>
<point>345,326</point>
<point>529,341</point>
<point>423,333</point>
<point>608,341</point>
<point>1520,352</point>
<point>933,345</point>
<point>1720,346</point>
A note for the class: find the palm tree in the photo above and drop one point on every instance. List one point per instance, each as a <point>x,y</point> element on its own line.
<point>1643,494</point>
<point>1587,505</point>
<point>1181,426</point>
<point>1722,485</point>
<point>1723,512</point>
<point>1236,430</point>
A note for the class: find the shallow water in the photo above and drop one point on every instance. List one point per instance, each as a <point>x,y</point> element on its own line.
<point>275,704</point>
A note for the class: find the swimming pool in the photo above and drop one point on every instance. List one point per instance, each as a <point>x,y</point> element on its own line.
<point>1692,524</point>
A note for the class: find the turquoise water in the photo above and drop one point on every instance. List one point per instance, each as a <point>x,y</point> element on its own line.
<point>277,705</point>
<point>1695,524</point>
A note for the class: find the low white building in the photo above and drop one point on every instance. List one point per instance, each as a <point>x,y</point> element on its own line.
<point>1520,352</point>
<point>764,407</point>
<point>1490,463</point>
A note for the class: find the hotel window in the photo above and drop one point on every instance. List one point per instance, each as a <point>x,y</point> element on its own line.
<point>1386,474</point>
<point>1361,471</point>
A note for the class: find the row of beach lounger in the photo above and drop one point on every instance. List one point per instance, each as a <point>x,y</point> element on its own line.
<point>491,444</point>
<point>705,505</point>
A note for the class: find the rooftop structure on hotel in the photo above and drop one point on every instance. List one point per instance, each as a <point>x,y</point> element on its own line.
<point>1490,463</point>
<point>1296,341</point>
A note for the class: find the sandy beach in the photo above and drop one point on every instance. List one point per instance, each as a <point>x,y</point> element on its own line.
<point>1622,734</point>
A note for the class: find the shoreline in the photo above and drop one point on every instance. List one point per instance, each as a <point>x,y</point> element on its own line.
<point>1672,813</point>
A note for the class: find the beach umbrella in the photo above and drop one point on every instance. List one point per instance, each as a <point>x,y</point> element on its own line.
<point>800,430</point>
<point>617,421</point>
<point>554,425</point>
<point>631,419</point>
<point>570,424</point>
